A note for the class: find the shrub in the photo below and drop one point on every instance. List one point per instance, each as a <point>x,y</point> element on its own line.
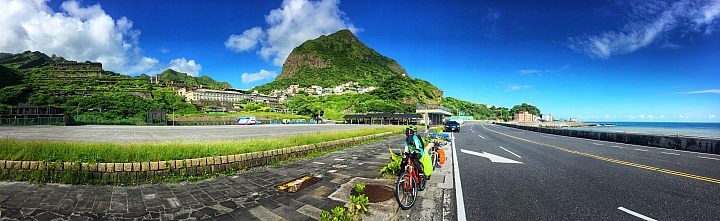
<point>392,168</point>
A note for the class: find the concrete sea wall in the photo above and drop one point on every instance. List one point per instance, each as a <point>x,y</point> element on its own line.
<point>695,144</point>
<point>142,172</point>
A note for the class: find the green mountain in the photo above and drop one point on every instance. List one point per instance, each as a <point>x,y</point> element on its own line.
<point>26,59</point>
<point>174,76</point>
<point>29,78</point>
<point>340,58</point>
<point>9,77</point>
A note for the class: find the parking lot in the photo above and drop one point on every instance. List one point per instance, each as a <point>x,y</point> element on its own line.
<point>123,134</point>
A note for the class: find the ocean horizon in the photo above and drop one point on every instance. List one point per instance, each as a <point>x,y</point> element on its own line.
<point>693,129</point>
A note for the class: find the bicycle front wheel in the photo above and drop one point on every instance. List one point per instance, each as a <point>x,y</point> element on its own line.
<point>406,191</point>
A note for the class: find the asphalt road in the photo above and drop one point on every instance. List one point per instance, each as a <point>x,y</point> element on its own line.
<point>121,134</point>
<point>539,176</point>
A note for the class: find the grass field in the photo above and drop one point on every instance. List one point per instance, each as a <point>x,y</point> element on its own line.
<point>63,151</point>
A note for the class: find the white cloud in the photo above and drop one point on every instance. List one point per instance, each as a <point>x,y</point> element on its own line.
<point>651,22</point>
<point>651,117</point>
<point>641,116</point>
<point>189,67</point>
<point>712,116</point>
<point>248,40</point>
<point>491,22</point>
<point>295,22</point>
<point>263,74</point>
<point>513,87</point>
<point>607,116</point>
<point>82,33</point>
<point>711,91</point>
<point>541,72</point>
<point>529,71</point>
<point>683,117</point>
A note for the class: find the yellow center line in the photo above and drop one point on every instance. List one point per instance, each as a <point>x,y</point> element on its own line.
<point>672,172</point>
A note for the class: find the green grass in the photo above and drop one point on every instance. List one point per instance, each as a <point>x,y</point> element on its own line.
<point>61,151</point>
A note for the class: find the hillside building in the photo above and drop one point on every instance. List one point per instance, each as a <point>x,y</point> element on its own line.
<point>32,115</point>
<point>74,65</point>
<point>225,96</point>
<point>523,116</point>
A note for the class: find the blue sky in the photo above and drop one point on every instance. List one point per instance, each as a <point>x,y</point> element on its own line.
<point>609,60</point>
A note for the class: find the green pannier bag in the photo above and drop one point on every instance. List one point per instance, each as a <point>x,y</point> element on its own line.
<point>427,163</point>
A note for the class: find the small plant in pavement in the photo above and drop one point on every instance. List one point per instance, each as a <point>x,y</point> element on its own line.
<point>358,205</point>
<point>338,214</point>
<point>360,187</point>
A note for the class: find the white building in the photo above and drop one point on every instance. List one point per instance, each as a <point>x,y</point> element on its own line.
<point>233,96</point>
<point>548,118</point>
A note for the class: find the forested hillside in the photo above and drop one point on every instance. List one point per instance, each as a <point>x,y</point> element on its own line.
<point>29,78</point>
<point>174,76</point>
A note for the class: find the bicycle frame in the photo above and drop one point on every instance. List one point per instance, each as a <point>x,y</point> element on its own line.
<point>410,169</point>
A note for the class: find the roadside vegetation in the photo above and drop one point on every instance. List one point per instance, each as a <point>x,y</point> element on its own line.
<point>61,151</point>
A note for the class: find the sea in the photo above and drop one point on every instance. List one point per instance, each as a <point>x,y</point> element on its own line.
<point>708,130</point>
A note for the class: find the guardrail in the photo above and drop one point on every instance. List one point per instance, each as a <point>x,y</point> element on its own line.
<point>695,144</point>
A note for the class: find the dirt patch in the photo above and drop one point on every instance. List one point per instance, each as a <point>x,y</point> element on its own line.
<point>375,193</point>
<point>381,211</point>
<point>298,184</point>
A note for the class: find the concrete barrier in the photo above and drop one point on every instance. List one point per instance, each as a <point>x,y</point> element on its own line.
<point>695,144</point>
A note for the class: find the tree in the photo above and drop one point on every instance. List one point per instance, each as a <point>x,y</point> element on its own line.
<point>526,107</point>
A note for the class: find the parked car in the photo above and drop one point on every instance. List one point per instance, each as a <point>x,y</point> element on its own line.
<point>452,126</point>
<point>247,121</point>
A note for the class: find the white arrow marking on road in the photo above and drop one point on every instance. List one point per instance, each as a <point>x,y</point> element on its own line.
<point>482,137</point>
<point>510,152</point>
<point>494,158</point>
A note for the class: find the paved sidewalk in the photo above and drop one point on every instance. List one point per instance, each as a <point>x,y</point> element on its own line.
<point>437,201</point>
<point>247,195</point>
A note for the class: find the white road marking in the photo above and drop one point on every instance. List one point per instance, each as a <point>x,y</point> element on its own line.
<point>482,137</point>
<point>638,215</point>
<point>117,133</point>
<point>510,152</point>
<point>634,145</point>
<point>321,163</point>
<point>670,153</point>
<point>708,158</point>
<point>641,150</point>
<point>597,144</point>
<point>460,203</point>
<point>492,157</point>
<point>152,133</point>
<point>618,147</point>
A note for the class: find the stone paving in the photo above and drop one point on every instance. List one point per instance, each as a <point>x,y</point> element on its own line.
<point>248,195</point>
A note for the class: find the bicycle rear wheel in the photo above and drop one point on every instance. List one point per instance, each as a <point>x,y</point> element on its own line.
<point>435,159</point>
<point>406,191</point>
